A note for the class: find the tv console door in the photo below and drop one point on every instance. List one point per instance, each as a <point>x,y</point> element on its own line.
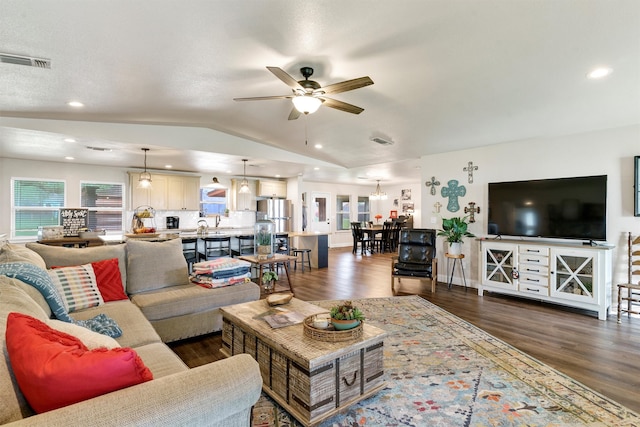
<point>565,274</point>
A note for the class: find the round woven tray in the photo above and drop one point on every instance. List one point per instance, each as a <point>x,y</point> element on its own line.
<point>330,334</point>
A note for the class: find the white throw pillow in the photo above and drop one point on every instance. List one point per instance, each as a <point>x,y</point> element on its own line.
<point>89,338</point>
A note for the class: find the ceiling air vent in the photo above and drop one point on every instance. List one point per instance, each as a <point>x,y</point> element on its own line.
<point>381,141</point>
<point>25,60</point>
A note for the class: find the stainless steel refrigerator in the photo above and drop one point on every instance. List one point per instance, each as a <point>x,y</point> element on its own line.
<point>279,211</point>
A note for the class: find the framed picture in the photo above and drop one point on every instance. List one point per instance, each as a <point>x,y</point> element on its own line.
<point>407,208</point>
<point>393,214</point>
<point>636,185</point>
<point>406,194</point>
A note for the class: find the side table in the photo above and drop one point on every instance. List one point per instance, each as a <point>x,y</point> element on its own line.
<point>455,259</point>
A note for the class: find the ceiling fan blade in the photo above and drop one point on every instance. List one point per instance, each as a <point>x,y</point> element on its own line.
<point>285,77</point>
<point>342,106</point>
<point>294,114</point>
<point>347,85</point>
<point>262,98</point>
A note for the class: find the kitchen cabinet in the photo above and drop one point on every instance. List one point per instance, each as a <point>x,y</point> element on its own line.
<point>272,188</point>
<point>167,192</point>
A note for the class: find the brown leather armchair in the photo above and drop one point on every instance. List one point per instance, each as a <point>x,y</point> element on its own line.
<point>416,256</point>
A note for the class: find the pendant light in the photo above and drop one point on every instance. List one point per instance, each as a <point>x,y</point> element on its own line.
<point>244,184</point>
<point>378,194</point>
<point>145,177</point>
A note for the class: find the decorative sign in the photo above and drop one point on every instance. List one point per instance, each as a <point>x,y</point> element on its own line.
<point>453,191</point>
<point>433,183</point>
<point>469,169</point>
<point>73,220</point>
<point>472,210</point>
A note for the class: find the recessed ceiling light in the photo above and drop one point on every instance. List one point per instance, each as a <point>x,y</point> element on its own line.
<point>277,176</point>
<point>600,73</point>
<point>69,140</point>
<point>70,158</point>
<point>76,104</point>
<point>316,169</point>
<point>318,146</point>
<point>168,166</point>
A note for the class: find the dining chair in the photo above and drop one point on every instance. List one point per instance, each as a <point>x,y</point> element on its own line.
<point>359,238</point>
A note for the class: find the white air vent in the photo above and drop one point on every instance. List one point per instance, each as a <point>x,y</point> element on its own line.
<point>381,141</point>
<point>89,147</point>
<point>25,60</point>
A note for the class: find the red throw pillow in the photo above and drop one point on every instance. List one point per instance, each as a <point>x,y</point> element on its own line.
<point>109,279</point>
<point>55,369</point>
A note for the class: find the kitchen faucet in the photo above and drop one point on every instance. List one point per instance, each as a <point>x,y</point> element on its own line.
<point>217,220</point>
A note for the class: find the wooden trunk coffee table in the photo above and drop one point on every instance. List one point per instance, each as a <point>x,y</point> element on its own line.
<point>311,379</point>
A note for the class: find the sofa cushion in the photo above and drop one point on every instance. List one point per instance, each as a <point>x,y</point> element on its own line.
<point>64,257</point>
<point>17,253</point>
<point>90,339</point>
<point>77,286</point>
<point>109,279</point>
<point>160,360</point>
<point>136,329</point>
<point>155,265</point>
<point>46,361</point>
<point>13,405</point>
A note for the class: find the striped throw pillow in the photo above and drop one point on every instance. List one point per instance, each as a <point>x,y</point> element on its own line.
<point>77,286</point>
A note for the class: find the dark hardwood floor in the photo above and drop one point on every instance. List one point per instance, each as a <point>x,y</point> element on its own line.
<point>600,354</point>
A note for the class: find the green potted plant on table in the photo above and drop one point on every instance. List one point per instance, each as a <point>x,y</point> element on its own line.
<point>346,316</point>
<point>269,279</point>
<point>454,230</point>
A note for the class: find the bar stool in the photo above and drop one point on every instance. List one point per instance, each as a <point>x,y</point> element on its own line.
<point>455,259</point>
<point>215,247</point>
<point>281,246</point>
<point>190,251</point>
<point>301,252</point>
<point>245,245</point>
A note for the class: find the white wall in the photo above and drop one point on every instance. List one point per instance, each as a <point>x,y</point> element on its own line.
<point>382,207</point>
<point>608,152</point>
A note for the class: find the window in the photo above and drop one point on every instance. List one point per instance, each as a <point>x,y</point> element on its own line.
<point>363,209</point>
<point>35,203</point>
<point>105,204</point>
<point>213,201</point>
<point>342,213</point>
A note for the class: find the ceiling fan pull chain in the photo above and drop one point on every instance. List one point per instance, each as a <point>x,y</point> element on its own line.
<point>306,138</point>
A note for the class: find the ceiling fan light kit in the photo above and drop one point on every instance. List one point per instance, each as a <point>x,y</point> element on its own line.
<point>306,104</point>
<point>308,95</point>
<point>144,181</point>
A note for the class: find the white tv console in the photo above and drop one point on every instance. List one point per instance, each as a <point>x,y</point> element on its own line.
<point>567,274</point>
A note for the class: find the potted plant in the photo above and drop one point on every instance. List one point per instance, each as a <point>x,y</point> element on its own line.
<point>269,279</point>
<point>264,239</point>
<point>345,316</point>
<point>454,230</point>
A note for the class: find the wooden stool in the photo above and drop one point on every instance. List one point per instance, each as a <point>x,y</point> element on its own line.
<point>456,258</point>
<point>301,252</point>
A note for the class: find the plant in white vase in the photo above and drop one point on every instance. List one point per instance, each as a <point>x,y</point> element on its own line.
<point>454,230</point>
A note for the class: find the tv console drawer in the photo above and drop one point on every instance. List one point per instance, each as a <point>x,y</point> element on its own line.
<point>534,250</point>
<point>534,289</point>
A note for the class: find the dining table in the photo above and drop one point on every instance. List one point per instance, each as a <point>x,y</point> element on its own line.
<point>371,233</point>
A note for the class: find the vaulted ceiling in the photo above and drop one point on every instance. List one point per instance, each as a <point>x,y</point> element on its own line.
<point>448,75</point>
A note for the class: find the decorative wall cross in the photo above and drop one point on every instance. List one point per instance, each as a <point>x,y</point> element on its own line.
<point>469,169</point>
<point>453,191</point>
<point>433,183</point>
<point>472,210</point>
<point>437,205</point>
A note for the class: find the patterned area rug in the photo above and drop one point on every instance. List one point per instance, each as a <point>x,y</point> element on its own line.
<point>443,371</point>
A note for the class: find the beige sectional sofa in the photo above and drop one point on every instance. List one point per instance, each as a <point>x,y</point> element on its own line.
<point>162,307</point>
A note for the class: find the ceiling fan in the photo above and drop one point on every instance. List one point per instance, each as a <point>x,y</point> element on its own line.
<point>308,95</point>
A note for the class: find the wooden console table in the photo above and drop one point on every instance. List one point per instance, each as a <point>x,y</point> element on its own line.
<point>73,242</point>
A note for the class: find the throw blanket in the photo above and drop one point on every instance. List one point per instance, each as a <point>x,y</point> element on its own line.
<point>39,279</point>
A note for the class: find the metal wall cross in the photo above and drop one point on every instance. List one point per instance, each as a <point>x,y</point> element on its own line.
<point>469,169</point>
<point>453,191</point>
<point>433,183</point>
<point>472,210</point>
<point>437,205</point>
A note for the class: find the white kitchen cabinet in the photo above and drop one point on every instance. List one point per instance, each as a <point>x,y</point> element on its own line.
<point>167,192</point>
<point>272,188</point>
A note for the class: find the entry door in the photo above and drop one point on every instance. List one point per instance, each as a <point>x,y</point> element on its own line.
<point>320,207</point>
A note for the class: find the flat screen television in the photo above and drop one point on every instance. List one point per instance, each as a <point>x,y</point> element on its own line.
<point>562,208</point>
